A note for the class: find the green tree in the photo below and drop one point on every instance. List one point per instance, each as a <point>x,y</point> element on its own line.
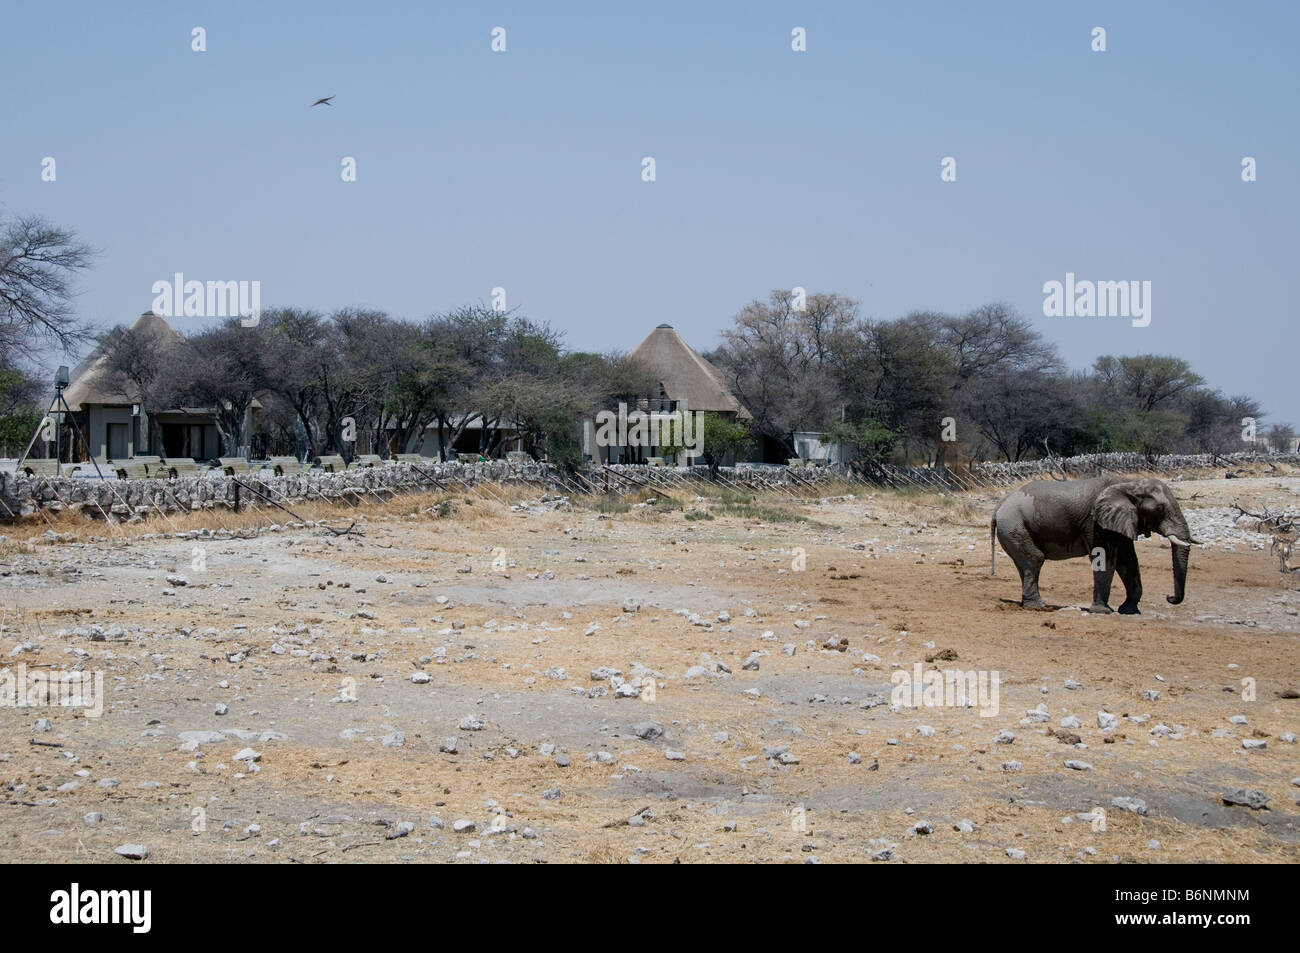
<point>871,441</point>
<point>1145,381</point>
<point>16,429</point>
<point>722,437</point>
<point>19,413</point>
<point>561,436</point>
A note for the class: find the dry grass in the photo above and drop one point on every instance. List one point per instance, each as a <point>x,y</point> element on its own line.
<point>604,852</point>
<point>13,547</point>
<point>475,507</point>
<point>483,505</point>
<point>942,509</point>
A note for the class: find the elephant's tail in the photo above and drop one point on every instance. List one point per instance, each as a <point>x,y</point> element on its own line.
<point>993,548</point>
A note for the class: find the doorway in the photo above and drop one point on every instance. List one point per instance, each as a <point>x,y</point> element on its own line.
<point>117,442</point>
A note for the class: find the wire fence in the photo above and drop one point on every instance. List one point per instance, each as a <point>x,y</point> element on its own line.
<point>115,500</point>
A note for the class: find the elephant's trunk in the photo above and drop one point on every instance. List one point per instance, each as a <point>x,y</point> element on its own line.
<point>1180,557</point>
<point>1175,529</point>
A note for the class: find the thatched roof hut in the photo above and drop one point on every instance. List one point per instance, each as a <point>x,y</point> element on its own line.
<point>684,375</point>
<point>90,382</point>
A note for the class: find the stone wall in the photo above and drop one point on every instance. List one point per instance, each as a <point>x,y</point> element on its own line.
<point>1095,464</point>
<point>21,495</point>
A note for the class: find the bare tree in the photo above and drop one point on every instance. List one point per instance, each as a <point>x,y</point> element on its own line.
<point>346,373</point>
<point>1282,437</point>
<point>224,368</point>
<point>778,361</point>
<point>1214,423</point>
<point>464,344</point>
<point>406,381</point>
<point>38,263</point>
<point>295,340</point>
<point>1016,410</point>
<point>19,390</point>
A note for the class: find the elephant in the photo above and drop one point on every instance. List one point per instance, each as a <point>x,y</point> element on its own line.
<point>1099,518</point>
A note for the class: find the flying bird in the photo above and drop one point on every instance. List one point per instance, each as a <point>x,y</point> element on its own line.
<point>326,101</point>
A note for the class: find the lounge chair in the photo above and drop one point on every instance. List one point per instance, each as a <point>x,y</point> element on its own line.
<point>287,466</point>
<point>175,467</point>
<point>331,464</point>
<point>45,468</point>
<point>233,466</point>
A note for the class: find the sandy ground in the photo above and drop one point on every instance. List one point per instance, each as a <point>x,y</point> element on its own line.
<point>310,642</point>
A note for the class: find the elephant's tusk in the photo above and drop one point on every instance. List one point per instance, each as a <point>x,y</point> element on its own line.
<point>1174,540</point>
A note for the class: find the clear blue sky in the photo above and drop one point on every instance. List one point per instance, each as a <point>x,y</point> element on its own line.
<point>775,168</point>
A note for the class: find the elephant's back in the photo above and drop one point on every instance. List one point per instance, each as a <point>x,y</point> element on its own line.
<point>1051,504</point>
<point>1016,504</point>
<point>1083,488</point>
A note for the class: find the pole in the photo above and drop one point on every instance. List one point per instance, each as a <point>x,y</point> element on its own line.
<point>31,443</point>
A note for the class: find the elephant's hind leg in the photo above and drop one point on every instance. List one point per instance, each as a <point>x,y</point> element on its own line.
<point>1029,561</point>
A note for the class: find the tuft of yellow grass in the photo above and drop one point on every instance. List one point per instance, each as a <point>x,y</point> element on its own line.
<point>604,851</point>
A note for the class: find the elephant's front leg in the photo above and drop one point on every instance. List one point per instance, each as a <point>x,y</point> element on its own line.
<point>1127,567</point>
<point>1103,558</point>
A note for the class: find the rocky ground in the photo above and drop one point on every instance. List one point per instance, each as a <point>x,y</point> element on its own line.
<point>503,680</point>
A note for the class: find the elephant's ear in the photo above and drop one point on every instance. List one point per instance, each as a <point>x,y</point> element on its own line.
<point>1115,511</point>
